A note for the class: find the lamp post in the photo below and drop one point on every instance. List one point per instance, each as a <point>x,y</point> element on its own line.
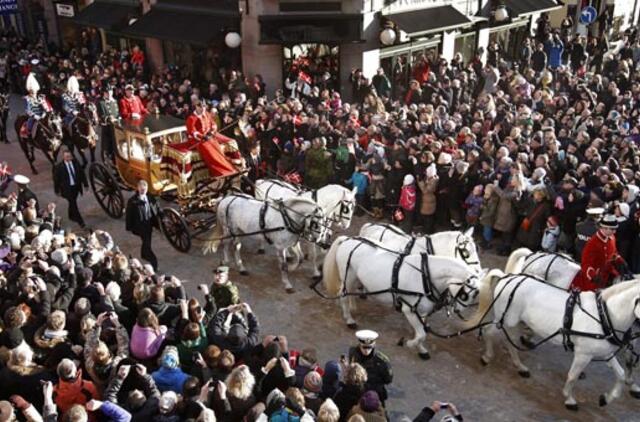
<point>232,40</point>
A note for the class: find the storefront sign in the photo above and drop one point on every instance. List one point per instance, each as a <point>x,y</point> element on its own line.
<point>64,10</point>
<point>8,7</point>
<point>395,6</point>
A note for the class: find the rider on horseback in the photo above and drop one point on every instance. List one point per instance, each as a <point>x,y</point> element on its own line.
<point>37,106</point>
<point>72,102</point>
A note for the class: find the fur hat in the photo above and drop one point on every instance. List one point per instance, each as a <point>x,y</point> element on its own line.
<point>32,84</point>
<point>408,180</point>
<point>73,86</point>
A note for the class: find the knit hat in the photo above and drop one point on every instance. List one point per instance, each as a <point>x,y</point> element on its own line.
<point>370,402</point>
<point>408,180</point>
<point>6,411</point>
<point>59,256</point>
<point>170,358</point>
<point>313,382</point>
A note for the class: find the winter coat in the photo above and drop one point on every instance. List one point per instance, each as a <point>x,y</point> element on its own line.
<point>78,391</point>
<point>122,340</point>
<point>168,379</point>
<point>506,215</point>
<point>488,210</point>
<point>550,239</point>
<point>360,181</point>
<point>428,188</point>
<point>145,342</point>
<point>347,396</point>
<point>317,167</point>
<point>531,236</point>
<point>408,198</point>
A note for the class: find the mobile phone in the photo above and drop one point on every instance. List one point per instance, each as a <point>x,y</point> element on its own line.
<point>444,405</point>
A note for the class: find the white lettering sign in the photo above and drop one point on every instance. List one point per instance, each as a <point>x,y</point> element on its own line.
<point>65,10</point>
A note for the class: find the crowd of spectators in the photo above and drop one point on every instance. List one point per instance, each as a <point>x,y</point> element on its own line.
<point>91,334</point>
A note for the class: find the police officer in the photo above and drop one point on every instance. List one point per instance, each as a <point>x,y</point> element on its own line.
<point>377,364</point>
<point>586,229</point>
<point>109,113</point>
<point>223,292</point>
<point>24,193</point>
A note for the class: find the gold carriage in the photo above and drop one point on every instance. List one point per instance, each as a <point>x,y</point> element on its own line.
<point>192,175</point>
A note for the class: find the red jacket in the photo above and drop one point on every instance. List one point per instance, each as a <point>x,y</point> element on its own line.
<point>78,391</point>
<point>198,126</point>
<point>599,259</point>
<point>128,106</point>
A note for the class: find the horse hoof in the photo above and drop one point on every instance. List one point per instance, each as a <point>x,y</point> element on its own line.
<point>260,251</point>
<point>572,407</point>
<point>635,394</point>
<point>352,325</point>
<point>602,401</point>
<point>524,374</point>
<point>401,342</point>
<point>290,290</point>
<point>484,361</point>
<point>424,356</point>
<point>244,272</point>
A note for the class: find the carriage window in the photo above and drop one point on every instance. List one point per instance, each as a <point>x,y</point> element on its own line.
<point>157,145</point>
<point>137,148</point>
<point>123,149</point>
<point>174,138</point>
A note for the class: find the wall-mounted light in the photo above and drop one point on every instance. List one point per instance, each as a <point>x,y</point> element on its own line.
<point>232,40</point>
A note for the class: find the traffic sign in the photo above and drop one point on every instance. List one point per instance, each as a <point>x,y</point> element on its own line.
<point>588,15</point>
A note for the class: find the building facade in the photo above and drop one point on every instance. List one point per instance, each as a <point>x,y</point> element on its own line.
<point>328,38</point>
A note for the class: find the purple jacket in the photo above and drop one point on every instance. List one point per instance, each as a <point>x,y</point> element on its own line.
<point>145,343</point>
<point>115,413</point>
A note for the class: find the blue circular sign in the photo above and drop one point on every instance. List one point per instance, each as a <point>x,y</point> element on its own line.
<point>588,15</point>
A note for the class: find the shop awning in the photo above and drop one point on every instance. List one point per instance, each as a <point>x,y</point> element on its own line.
<point>197,22</point>
<point>107,15</point>
<point>433,19</point>
<point>316,28</point>
<point>527,7</point>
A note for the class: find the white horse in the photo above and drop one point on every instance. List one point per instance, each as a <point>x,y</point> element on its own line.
<point>453,244</point>
<point>517,298</point>
<point>554,268</point>
<point>280,223</point>
<point>423,283</point>
<point>337,202</point>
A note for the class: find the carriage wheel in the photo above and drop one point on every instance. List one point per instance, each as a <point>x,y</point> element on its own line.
<point>175,229</point>
<point>106,190</point>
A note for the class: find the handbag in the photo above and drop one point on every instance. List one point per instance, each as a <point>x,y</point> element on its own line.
<point>526,222</point>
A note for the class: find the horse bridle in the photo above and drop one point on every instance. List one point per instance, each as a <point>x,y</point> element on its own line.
<point>346,209</point>
<point>304,229</point>
<point>462,250</point>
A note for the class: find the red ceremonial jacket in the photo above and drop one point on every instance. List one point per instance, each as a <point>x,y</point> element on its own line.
<point>128,106</point>
<point>599,257</point>
<point>200,125</point>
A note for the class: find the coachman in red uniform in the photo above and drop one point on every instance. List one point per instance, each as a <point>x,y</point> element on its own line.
<point>131,106</point>
<point>600,261</point>
<point>200,124</point>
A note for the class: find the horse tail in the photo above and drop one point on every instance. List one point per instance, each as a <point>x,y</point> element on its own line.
<point>212,244</point>
<point>330,271</point>
<point>515,263</point>
<point>486,288</point>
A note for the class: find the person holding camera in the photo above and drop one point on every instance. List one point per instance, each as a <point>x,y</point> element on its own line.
<point>428,413</point>
<point>243,333</point>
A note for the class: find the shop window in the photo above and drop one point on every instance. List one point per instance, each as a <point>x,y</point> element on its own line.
<point>319,62</point>
<point>466,45</point>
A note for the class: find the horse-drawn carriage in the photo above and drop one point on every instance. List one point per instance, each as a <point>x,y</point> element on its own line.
<point>192,175</point>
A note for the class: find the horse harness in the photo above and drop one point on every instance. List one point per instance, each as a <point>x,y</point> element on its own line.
<point>609,333</point>
<point>556,256</point>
